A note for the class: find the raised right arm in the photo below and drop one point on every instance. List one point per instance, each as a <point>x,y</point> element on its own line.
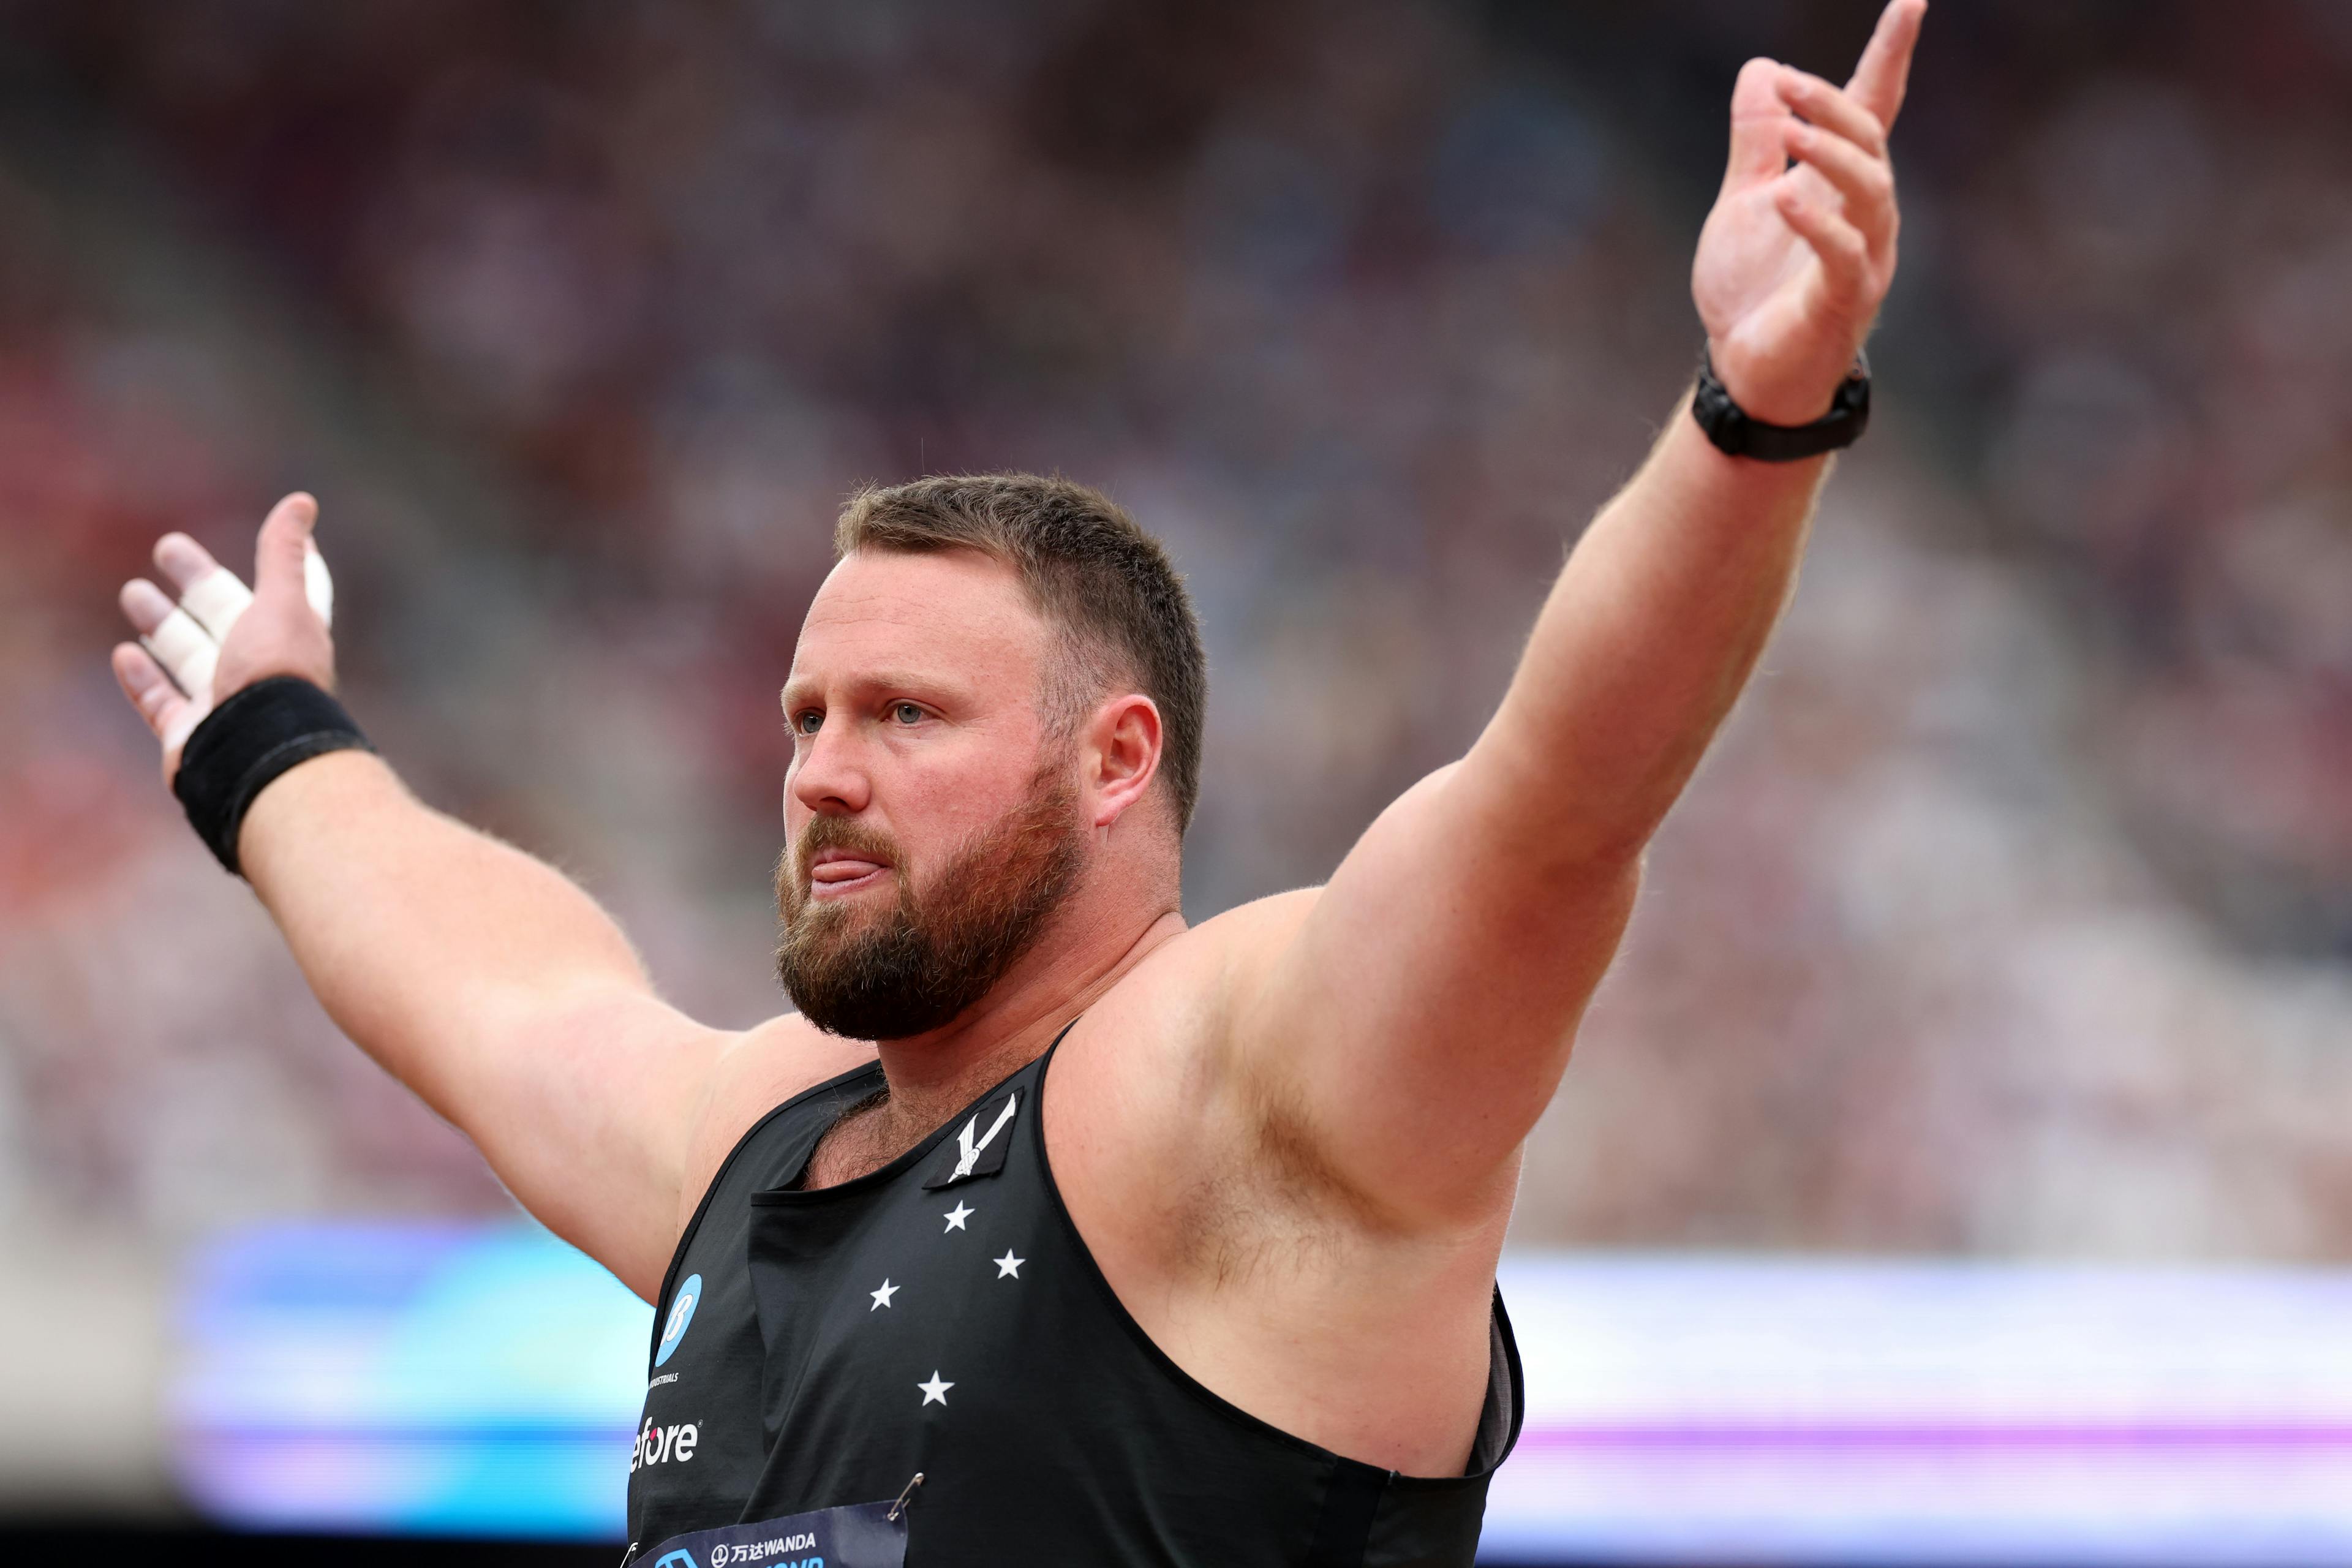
<point>480,977</point>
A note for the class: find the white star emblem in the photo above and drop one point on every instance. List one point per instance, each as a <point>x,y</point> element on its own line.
<point>935,1391</point>
<point>957,1215</point>
<point>1008,1266</point>
<point>882,1296</point>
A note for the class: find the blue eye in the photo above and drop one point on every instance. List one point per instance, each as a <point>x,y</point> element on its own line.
<point>907,712</point>
<point>807,721</point>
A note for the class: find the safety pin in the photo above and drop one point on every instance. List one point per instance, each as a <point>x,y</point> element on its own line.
<point>899,1507</point>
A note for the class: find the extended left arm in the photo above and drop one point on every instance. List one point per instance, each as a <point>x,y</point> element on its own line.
<point>1414,1028</point>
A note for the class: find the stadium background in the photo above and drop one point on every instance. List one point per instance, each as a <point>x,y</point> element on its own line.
<point>2008,921</point>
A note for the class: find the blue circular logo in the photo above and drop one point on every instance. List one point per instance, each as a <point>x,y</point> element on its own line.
<point>681,1312</point>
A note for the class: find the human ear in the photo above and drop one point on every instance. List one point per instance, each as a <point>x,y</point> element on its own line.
<point>1123,755</point>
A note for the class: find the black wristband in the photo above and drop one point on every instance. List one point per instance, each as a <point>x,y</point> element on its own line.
<point>1736,431</point>
<point>259,733</point>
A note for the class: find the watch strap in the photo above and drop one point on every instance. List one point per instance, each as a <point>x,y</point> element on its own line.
<point>1734,430</point>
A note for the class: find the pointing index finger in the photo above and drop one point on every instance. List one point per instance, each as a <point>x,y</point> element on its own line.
<point>1885,71</point>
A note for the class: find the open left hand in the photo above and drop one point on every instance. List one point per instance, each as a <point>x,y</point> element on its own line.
<point>221,636</point>
<point>1793,261</point>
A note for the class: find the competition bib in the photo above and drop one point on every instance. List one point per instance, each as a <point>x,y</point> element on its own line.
<point>857,1535</point>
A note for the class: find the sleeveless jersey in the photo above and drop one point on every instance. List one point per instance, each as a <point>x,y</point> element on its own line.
<point>941,1316</point>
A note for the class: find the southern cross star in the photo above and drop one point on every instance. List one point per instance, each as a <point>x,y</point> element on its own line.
<point>957,1215</point>
<point>935,1391</point>
<point>1008,1266</point>
<point>882,1296</point>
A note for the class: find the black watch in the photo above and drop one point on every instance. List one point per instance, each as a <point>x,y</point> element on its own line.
<point>1730,427</point>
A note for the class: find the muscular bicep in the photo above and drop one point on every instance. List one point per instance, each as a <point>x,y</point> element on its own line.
<point>1428,1000</point>
<point>1414,1024</point>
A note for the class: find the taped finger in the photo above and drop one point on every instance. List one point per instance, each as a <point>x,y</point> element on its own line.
<point>171,716</point>
<point>182,560</point>
<point>318,583</point>
<point>144,606</point>
<point>216,599</point>
<point>152,692</point>
<point>186,653</point>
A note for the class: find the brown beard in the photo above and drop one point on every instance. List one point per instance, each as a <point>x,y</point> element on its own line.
<point>932,957</point>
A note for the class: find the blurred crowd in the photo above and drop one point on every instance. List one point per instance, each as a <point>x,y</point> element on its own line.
<point>2010,917</point>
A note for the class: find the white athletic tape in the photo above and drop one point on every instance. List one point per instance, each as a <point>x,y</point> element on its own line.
<point>216,599</point>
<point>187,655</point>
<point>317,584</point>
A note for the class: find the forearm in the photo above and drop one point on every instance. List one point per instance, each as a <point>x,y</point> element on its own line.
<point>429,943</point>
<point>1645,642</point>
<point>1659,617</point>
<point>480,977</point>
<point>1433,990</point>
<point>1431,993</point>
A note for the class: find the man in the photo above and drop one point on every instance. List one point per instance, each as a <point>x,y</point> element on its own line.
<point>1249,1180</point>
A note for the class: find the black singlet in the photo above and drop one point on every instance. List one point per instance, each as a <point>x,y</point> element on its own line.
<point>940,1315</point>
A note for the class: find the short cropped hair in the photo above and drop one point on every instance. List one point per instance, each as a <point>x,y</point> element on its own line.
<point>1090,571</point>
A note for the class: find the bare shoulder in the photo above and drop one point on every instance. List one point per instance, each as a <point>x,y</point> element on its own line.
<point>1246,932</point>
<point>758,1071</point>
<point>1187,984</point>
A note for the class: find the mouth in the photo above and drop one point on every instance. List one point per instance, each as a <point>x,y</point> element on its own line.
<point>838,874</point>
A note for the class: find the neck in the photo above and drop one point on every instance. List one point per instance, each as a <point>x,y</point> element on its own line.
<point>933,1075</point>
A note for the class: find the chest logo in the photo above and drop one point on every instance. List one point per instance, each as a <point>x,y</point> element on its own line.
<point>978,1153</point>
<point>681,1313</point>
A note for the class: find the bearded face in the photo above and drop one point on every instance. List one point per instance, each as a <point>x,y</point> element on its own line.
<point>869,975</point>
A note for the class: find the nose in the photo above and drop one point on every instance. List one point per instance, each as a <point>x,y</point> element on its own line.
<point>828,778</point>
